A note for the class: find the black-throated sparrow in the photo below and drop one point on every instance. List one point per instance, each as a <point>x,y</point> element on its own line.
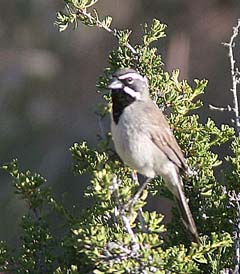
<point>143,138</point>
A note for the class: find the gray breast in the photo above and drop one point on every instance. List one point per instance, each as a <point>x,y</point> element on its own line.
<point>134,146</point>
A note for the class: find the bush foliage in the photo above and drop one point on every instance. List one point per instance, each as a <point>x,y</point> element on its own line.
<point>115,235</point>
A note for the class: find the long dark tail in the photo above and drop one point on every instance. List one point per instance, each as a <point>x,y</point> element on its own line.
<point>186,215</point>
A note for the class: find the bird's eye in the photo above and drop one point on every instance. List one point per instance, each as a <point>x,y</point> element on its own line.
<point>129,80</point>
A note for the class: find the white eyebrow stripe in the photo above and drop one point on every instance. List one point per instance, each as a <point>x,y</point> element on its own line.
<point>132,93</point>
<point>133,75</point>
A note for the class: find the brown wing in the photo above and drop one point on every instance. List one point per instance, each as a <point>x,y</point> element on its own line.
<point>163,138</point>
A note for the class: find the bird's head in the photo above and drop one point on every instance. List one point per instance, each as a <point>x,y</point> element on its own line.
<point>129,82</point>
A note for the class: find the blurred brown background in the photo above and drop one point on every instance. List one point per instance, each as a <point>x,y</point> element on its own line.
<point>47,79</point>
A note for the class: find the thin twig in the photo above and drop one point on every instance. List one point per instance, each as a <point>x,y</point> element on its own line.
<point>103,26</point>
<point>227,108</point>
<point>235,75</point>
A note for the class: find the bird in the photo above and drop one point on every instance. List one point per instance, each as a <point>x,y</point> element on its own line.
<point>143,138</point>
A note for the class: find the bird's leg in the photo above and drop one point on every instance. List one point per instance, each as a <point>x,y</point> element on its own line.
<point>132,202</point>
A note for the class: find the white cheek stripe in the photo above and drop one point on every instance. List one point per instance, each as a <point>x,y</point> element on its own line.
<point>132,93</point>
<point>133,75</point>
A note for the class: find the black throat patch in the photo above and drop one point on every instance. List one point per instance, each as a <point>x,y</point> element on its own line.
<point>120,100</point>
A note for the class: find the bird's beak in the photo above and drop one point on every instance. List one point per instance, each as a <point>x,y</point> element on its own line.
<point>115,84</point>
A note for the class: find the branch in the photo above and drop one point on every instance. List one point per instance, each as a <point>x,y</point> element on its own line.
<point>235,75</point>
<point>234,198</point>
<point>119,211</point>
<point>126,222</point>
